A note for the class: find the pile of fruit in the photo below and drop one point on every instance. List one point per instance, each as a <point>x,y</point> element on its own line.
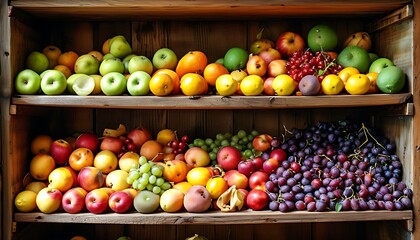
<point>290,66</point>
<point>336,166</point>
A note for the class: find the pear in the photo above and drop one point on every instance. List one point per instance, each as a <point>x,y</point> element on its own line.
<point>119,47</point>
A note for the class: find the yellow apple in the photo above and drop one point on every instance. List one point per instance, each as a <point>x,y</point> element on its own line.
<point>106,161</point>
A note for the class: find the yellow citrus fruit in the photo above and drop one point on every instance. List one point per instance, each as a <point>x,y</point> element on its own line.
<point>25,201</point>
<point>165,135</point>
<point>332,84</point>
<point>182,186</point>
<point>283,85</point>
<point>373,87</point>
<point>226,85</point>
<point>161,84</point>
<point>199,176</point>
<point>97,78</point>
<point>35,186</point>
<point>357,84</point>
<point>61,179</point>
<point>193,84</point>
<point>175,79</point>
<point>213,71</point>
<point>216,187</point>
<point>345,73</point>
<point>252,85</point>
<point>238,75</point>
<point>41,166</point>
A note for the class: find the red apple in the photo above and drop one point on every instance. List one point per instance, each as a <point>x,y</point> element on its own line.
<point>245,193</point>
<point>60,150</point>
<point>262,142</point>
<point>74,175</point>
<point>289,42</point>
<point>74,200</point>
<point>139,136</point>
<point>120,202</point>
<point>228,157</point>
<point>197,157</point>
<point>246,167</point>
<point>113,144</point>
<point>279,154</point>
<point>276,67</point>
<point>270,165</point>
<point>256,65</point>
<point>269,55</point>
<point>90,178</point>
<point>268,89</point>
<point>258,163</point>
<point>238,179</point>
<point>258,180</point>
<point>87,140</point>
<point>257,199</point>
<point>96,201</point>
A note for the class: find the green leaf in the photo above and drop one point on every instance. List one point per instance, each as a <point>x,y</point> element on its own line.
<point>259,35</point>
<point>338,207</point>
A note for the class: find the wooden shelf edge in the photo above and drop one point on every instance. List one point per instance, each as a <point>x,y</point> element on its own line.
<point>212,102</point>
<point>217,217</point>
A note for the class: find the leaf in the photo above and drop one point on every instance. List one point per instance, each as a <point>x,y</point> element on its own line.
<point>338,207</point>
<point>259,35</point>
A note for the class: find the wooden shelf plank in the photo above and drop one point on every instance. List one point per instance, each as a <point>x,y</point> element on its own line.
<point>212,102</point>
<point>171,9</point>
<point>216,217</point>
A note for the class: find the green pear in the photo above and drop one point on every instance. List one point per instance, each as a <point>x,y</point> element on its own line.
<point>119,47</point>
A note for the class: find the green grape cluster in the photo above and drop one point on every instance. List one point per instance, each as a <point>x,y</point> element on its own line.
<point>241,140</point>
<point>148,175</point>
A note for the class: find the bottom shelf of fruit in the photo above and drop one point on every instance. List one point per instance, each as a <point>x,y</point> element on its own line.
<point>217,217</point>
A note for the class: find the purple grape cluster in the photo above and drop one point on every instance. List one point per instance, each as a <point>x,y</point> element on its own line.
<point>338,166</point>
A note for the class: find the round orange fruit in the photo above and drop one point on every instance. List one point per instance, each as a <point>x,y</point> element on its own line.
<point>193,84</point>
<point>175,79</point>
<point>192,62</point>
<point>161,84</point>
<point>212,71</point>
<point>68,59</point>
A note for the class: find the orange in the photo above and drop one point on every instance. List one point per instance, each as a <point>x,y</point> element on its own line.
<point>212,71</point>
<point>64,69</point>
<point>347,72</point>
<point>373,88</point>
<point>68,59</point>
<point>193,84</point>
<point>161,84</point>
<point>105,46</point>
<point>192,62</point>
<point>175,79</point>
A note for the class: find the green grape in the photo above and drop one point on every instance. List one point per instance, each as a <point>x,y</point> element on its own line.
<point>241,133</point>
<point>145,168</point>
<point>166,186</point>
<point>215,150</point>
<point>247,153</point>
<point>156,171</point>
<point>151,163</point>
<point>143,181</point>
<point>208,141</point>
<point>213,155</point>
<point>227,135</point>
<point>235,139</point>
<point>134,174</point>
<point>220,137</point>
<point>130,179</point>
<point>254,133</point>
<point>136,184</point>
<point>150,187</point>
<point>224,143</point>
<point>152,179</point>
<point>146,175</point>
<point>205,147</point>
<point>249,145</point>
<point>198,142</point>
<point>142,187</point>
<point>160,181</point>
<point>156,189</point>
<point>217,142</point>
<point>250,138</point>
<point>142,160</point>
<point>239,147</point>
<point>245,140</point>
<point>213,146</point>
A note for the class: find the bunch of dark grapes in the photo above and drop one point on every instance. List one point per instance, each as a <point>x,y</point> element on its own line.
<point>338,166</point>
<point>304,63</point>
<point>178,146</point>
<point>128,146</point>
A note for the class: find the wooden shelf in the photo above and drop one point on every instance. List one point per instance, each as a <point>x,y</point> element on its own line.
<point>212,102</point>
<point>204,9</point>
<point>216,217</point>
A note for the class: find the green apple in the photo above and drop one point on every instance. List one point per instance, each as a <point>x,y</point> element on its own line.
<point>126,60</point>
<point>138,83</point>
<point>220,61</point>
<point>71,81</point>
<point>113,84</point>
<point>28,82</point>
<point>164,58</point>
<point>37,61</point>
<point>354,56</point>
<point>111,65</point>
<point>86,64</point>
<point>322,38</point>
<point>390,79</point>
<point>53,82</point>
<point>140,63</point>
<point>380,64</point>
<point>108,56</point>
<point>373,56</point>
<point>119,47</point>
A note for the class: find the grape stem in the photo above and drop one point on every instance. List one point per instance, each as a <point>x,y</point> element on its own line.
<point>367,135</point>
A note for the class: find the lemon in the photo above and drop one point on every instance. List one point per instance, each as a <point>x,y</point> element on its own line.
<point>357,84</point>
<point>332,84</point>
<point>25,201</point>
<point>252,85</point>
<point>238,75</point>
<point>226,85</point>
<point>283,85</point>
<point>345,73</point>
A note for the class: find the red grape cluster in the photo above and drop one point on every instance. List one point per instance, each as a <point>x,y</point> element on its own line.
<point>305,63</point>
<point>179,146</point>
<point>338,166</point>
<point>128,146</point>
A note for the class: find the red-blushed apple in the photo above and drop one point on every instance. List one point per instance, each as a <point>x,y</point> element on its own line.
<point>112,144</point>
<point>238,179</point>
<point>60,150</point>
<point>258,179</point>
<point>270,165</point>
<point>245,193</point>
<point>96,201</point>
<point>175,171</point>
<point>257,199</point>
<point>268,89</point>
<point>197,199</point>
<point>120,202</point>
<point>73,200</point>
<point>246,167</point>
<point>279,154</point>
<point>276,67</point>
<point>256,65</point>
<point>81,157</point>
<point>48,200</point>
<point>74,175</point>
<point>197,157</point>
<point>88,140</point>
<point>139,136</point>
<point>270,55</point>
<point>90,178</point>
<point>262,142</point>
<point>228,157</point>
<point>289,42</point>
<point>258,163</point>
<point>106,161</point>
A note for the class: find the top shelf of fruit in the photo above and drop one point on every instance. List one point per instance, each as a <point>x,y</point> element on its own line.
<point>170,9</point>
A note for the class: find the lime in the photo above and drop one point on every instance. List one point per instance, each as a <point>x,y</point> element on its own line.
<point>235,58</point>
<point>390,79</point>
